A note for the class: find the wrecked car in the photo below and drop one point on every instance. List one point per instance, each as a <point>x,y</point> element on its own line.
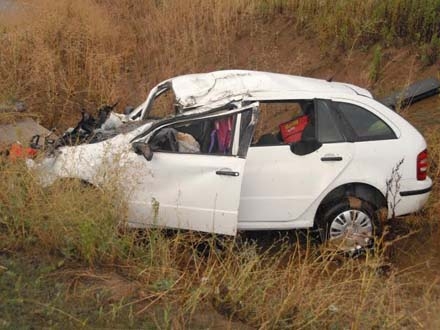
<point>245,150</point>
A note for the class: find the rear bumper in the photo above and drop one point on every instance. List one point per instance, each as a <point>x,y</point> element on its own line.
<point>413,196</point>
<point>415,192</point>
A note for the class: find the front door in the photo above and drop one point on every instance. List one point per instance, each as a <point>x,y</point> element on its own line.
<point>196,187</point>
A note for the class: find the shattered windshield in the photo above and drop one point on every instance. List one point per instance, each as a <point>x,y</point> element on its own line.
<point>163,106</point>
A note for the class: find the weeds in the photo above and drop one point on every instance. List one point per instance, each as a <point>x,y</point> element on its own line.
<point>393,188</point>
<point>376,64</point>
<point>66,219</point>
<point>62,56</point>
<point>370,21</point>
<point>64,260</point>
<point>430,51</point>
<point>73,265</point>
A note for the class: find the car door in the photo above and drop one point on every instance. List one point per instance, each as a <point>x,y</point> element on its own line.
<point>375,138</point>
<point>196,191</point>
<point>280,185</point>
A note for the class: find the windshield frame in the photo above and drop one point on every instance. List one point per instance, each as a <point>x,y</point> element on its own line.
<point>142,110</point>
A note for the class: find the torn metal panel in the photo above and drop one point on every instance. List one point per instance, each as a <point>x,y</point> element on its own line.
<point>141,111</point>
<point>413,93</point>
<point>91,130</point>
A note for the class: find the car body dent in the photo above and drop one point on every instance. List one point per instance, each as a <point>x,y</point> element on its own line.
<point>231,85</point>
<point>96,159</point>
<point>153,188</point>
<point>206,91</point>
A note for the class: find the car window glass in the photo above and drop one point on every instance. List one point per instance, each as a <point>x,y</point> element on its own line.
<point>365,124</point>
<point>328,131</point>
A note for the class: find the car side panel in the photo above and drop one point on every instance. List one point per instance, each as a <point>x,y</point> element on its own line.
<point>183,191</point>
<point>372,164</point>
<point>280,186</point>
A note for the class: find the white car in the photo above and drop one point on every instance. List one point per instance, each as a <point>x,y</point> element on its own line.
<point>246,150</point>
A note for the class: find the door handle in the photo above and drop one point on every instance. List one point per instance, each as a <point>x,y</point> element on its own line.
<point>227,172</point>
<point>331,159</point>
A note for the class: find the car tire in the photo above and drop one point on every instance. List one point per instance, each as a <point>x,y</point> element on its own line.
<point>349,225</point>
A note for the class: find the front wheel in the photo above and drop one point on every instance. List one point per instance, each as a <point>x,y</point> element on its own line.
<point>349,225</point>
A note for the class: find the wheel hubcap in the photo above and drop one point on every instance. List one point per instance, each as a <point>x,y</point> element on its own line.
<point>354,227</point>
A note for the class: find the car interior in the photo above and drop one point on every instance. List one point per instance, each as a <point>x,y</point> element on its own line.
<point>208,136</point>
<point>283,123</point>
<point>279,123</point>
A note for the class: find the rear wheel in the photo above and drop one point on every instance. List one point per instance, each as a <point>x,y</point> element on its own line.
<point>349,225</point>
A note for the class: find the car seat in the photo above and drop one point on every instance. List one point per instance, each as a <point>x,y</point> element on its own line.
<point>268,140</point>
<point>221,136</point>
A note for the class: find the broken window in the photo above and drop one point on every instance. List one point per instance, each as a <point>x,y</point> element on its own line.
<point>163,105</point>
<point>205,136</point>
<point>284,122</point>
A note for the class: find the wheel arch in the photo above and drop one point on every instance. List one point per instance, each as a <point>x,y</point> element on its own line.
<point>357,190</point>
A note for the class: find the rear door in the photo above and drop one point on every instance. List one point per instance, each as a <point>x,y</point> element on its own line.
<point>280,185</point>
<point>196,191</point>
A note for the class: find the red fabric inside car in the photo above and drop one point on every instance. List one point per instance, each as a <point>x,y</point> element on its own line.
<point>291,131</point>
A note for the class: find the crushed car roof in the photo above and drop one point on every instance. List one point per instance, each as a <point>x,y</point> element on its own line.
<point>204,91</point>
<point>195,90</point>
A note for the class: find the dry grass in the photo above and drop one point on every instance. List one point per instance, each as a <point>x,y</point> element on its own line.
<point>64,261</point>
<point>61,56</point>
<point>104,52</point>
<point>102,276</point>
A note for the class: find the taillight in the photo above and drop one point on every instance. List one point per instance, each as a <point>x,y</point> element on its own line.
<point>422,165</point>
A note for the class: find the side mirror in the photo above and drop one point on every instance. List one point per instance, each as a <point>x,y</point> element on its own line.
<point>302,148</point>
<point>143,149</point>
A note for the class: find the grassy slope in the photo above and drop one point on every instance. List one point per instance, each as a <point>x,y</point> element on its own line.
<point>62,56</point>
<point>63,262</point>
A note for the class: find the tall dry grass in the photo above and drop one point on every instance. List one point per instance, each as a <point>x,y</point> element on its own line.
<point>60,56</point>
<point>186,280</point>
<point>63,55</point>
<point>364,22</point>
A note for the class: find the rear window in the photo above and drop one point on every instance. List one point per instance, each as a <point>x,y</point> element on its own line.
<point>363,125</point>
